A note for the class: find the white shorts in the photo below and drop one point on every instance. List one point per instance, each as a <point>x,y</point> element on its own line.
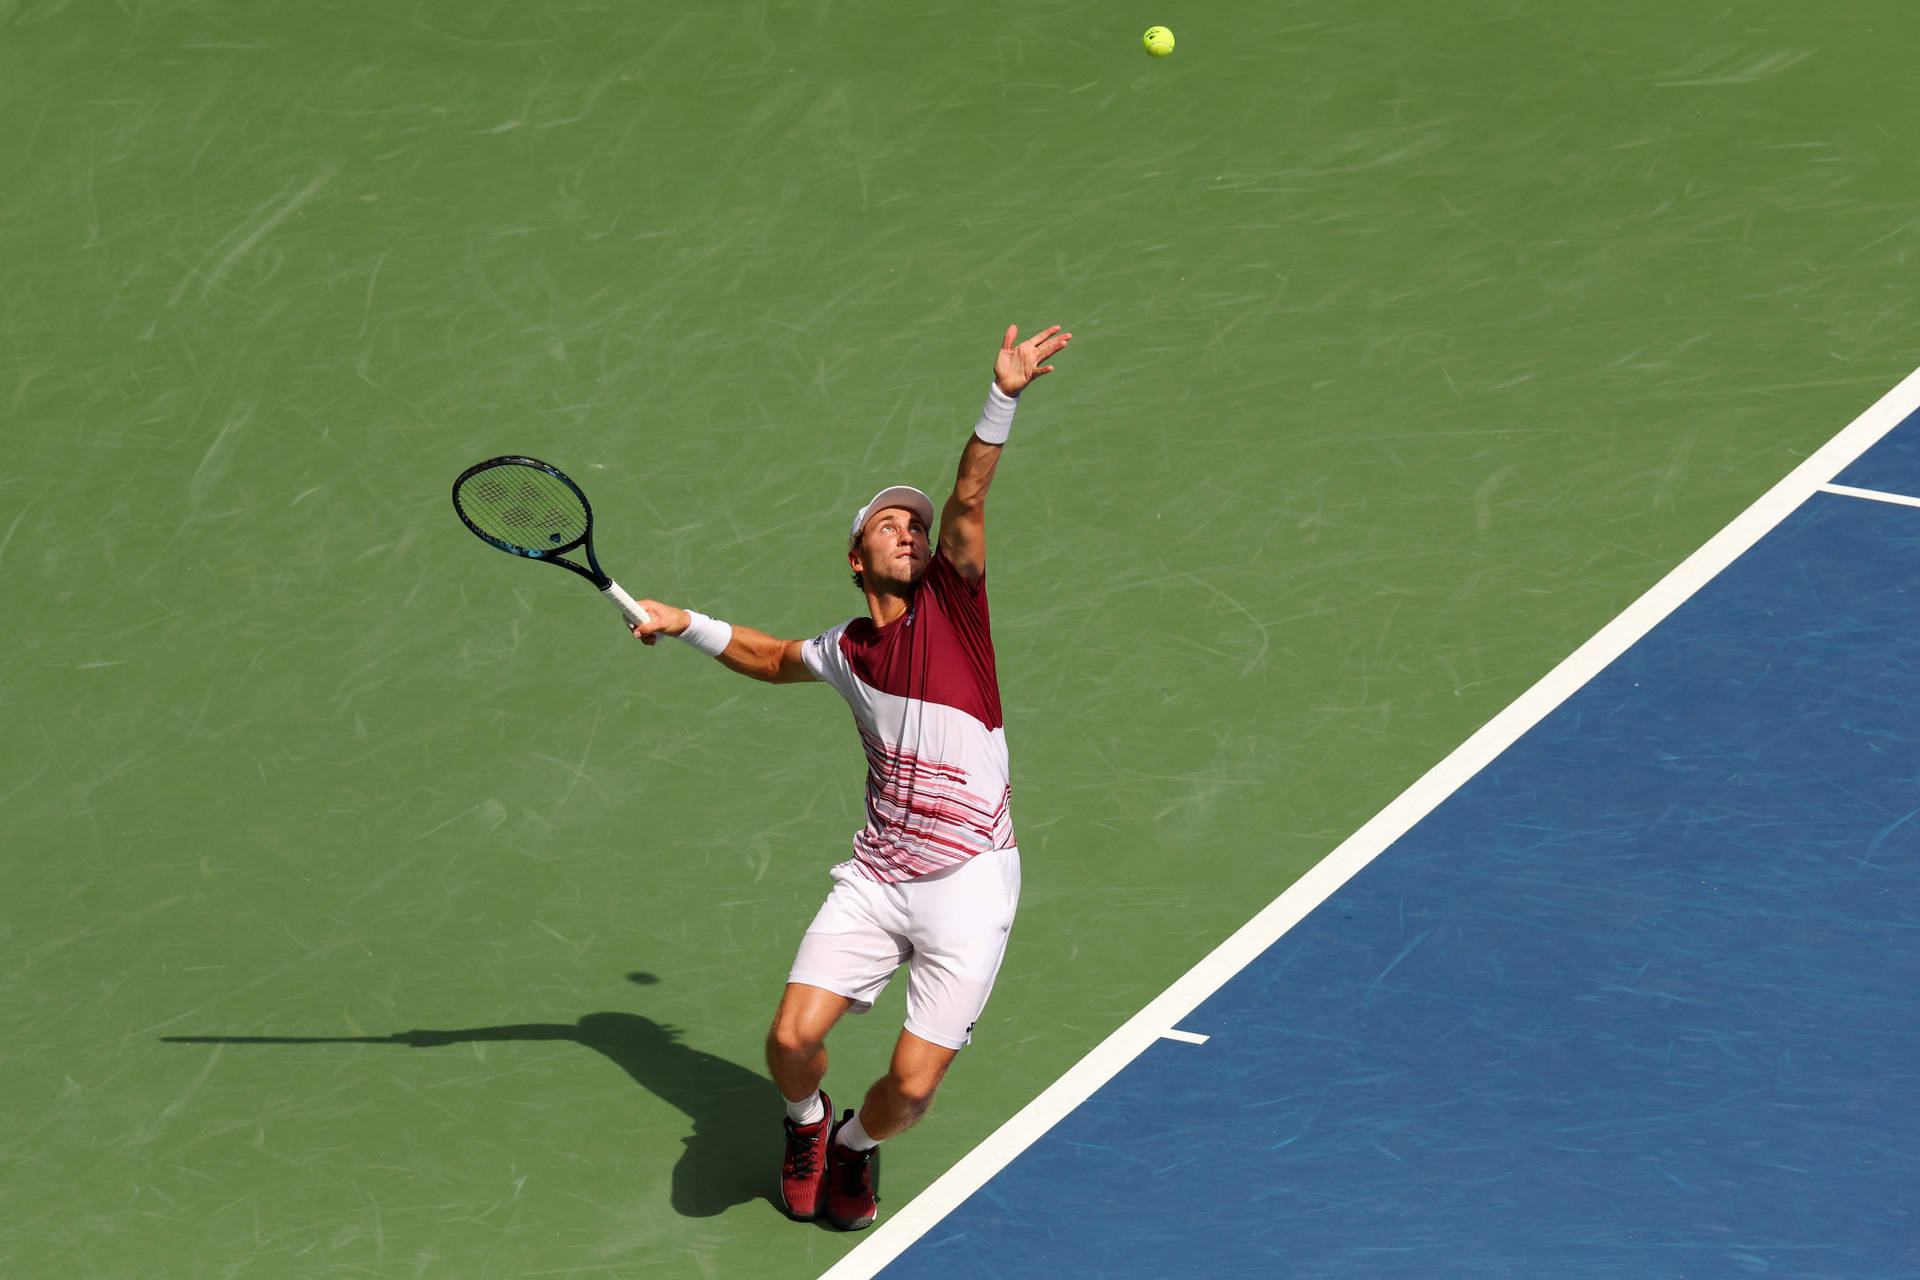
<point>952,925</point>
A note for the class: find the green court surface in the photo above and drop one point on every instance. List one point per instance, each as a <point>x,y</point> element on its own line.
<point>375,907</point>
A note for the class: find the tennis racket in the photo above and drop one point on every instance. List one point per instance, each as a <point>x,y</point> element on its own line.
<point>527,508</point>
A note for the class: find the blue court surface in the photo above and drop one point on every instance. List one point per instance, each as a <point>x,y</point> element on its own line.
<point>1638,999</point>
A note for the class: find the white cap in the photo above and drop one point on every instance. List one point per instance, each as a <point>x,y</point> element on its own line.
<point>899,495</point>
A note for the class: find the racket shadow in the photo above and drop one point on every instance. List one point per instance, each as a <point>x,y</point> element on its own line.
<point>733,1149</point>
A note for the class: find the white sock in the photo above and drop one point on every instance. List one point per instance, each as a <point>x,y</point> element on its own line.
<point>853,1135</point>
<point>808,1112</point>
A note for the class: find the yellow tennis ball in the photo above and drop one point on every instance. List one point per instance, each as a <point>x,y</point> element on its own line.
<point>1158,41</point>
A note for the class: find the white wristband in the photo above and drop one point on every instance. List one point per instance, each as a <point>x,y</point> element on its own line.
<point>709,635</point>
<point>996,419</point>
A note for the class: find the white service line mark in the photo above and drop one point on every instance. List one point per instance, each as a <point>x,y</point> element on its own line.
<point>1876,495</point>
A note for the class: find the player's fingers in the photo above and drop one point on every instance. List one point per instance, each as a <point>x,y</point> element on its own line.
<point>1013,334</point>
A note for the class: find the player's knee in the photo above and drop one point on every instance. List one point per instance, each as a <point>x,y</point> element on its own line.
<point>916,1091</point>
<point>790,1039</point>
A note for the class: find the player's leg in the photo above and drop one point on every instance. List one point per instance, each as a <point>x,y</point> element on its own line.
<point>797,1041</point>
<point>959,922</point>
<point>897,1100</point>
<point>844,962</point>
<point>797,1060</point>
<point>845,959</point>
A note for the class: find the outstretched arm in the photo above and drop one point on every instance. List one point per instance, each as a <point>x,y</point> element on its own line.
<point>749,652</point>
<point>963,521</point>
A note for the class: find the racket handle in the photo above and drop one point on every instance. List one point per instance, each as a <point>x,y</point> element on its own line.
<point>633,613</point>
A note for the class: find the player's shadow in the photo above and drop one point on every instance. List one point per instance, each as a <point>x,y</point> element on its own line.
<point>729,1158</point>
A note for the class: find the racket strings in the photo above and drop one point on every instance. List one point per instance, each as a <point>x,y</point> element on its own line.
<point>526,508</point>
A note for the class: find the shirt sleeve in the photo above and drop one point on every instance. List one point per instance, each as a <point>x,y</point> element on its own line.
<point>965,604</point>
<point>824,658</point>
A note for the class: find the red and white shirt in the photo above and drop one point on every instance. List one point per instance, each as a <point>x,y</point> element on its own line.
<point>926,699</point>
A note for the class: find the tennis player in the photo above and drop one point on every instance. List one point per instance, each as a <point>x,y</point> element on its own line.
<point>935,875</point>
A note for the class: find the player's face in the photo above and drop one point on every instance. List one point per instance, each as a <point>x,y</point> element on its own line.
<point>895,548</point>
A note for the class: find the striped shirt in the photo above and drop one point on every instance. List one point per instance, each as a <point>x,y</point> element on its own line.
<point>926,699</point>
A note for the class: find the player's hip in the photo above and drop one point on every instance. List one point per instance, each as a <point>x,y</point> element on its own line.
<point>961,898</point>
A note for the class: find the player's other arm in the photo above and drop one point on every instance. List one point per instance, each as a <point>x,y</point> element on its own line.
<point>749,652</point>
<point>963,521</point>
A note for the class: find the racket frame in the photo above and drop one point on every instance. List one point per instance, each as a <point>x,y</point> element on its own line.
<point>591,571</point>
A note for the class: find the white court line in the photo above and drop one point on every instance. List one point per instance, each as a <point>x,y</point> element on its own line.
<point>1185,1037</point>
<point>892,1235</point>
<point>1848,491</point>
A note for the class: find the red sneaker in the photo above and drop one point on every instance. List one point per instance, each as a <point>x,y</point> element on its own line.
<point>853,1184</point>
<point>803,1174</point>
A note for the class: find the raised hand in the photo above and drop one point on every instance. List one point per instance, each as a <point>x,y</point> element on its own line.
<point>1015,366</point>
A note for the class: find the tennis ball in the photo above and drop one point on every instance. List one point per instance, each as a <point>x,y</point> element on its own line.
<point>1158,41</point>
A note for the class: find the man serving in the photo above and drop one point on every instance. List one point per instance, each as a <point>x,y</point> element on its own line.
<point>935,875</point>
